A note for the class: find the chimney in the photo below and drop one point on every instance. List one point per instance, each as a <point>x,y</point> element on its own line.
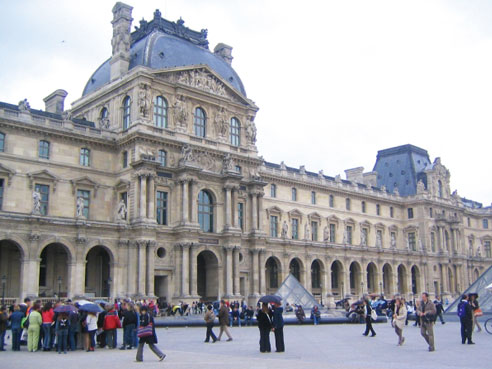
<point>355,174</point>
<point>54,101</point>
<point>121,41</point>
<point>224,51</point>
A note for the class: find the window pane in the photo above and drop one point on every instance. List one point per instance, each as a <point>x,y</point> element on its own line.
<point>126,112</point>
<point>235,132</point>
<point>85,157</point>
<point>240,215</point>
<point>1,193</point>
<point>85,195</point>
<point>295,229</point>
<point>125,159</point>
<point>44,190</point>
<point>162,157</point>
<point>161,208</point>
<point>160,112</point>
<point>205,211</point>
<point>273,226</point>
<point>200,122</point>
<point>44,149</point>
<point>273,190</point>
<point>2,142</point>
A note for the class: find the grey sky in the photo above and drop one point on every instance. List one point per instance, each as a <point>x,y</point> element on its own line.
<point>336,80</point>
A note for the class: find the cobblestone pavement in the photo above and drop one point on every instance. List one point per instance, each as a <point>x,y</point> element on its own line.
<point>323,346</point>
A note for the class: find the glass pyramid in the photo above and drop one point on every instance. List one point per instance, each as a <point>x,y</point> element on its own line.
<point>294,293</point>
<point>478,287</point>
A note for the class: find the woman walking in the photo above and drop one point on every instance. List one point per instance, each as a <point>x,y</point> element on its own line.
<point>367,315</point>
<point>399,318</point>
<point>35,321</point>
<point>264,318</point>
<point>209,320</point>
<point>149,337</point>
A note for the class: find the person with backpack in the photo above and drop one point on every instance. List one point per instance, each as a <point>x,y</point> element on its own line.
<point>465,312</point>
<point>427,314</point>
<point>62,328</point>
<point>209,320</point>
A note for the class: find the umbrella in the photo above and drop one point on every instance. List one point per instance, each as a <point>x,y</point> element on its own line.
<point>473,293</point>
<point>65,309</point>
<point>83,302</point>
<point>91,308</point>
<point>271,299</point>
<point>101,302</point>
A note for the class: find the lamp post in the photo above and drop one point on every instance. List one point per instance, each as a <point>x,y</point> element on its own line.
<point>109,288</point>
<point>4,282</point>
<point>381,288</point>
<point>59,286</point>
<point>361,289</point>
<point>342,291</point>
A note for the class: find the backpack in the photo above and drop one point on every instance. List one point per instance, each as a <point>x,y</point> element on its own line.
<point>462,309</point>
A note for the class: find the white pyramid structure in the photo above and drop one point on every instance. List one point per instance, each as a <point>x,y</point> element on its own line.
<point>294,293</point>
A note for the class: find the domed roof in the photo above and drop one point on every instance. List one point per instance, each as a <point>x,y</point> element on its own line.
<point>162,44</point>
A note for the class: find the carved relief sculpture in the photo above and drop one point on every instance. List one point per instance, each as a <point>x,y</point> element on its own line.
<point>36,197</point>
<point>228,164</point>
<point>143,101</point>
<point>80,207</point>
<point>186,155</point>
<point>326,234</point>
<point>250,131</point>
<point>420,187</point>
<point>285,229</point>
<point>121,211</point>
<point>180,114</point>
<point>203,81</point>
<point>221,125</point>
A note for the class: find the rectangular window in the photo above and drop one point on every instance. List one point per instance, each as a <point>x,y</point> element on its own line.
<point>410,213</point>
<point>378,209</point>
<point>313,197</point>
<point>86,197</point>
<point>349,234</point>
<point>363,236</point>
<point>44,190</point>
<point>240,215</point>
<point>485,223</point>
<point>332,233</point>
<point>431,213</point>
<point>379,238</point>
<point>433,242</point>
<point>44,149</point>
<point>294,194</point>
<point>238,169</point>
<point>363,206</point>
<point>1,193</point>
<point>411,241</point>
<point>468,221</point>
<point>392,212</point>
<point>347,204</point>
<point>295,229</point>
<point>332,201</point>
<point>314,231</point>
<point>85,157</point>
<point>161,208</point>
<point>273,190</point>
<point>273,226</point>
<point>2,142</point>
<point>125,159</point>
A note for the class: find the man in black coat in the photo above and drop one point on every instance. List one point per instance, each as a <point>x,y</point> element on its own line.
<point>278,327</point>
<point>465,312</point>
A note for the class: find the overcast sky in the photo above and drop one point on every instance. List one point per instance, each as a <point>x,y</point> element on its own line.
<point>335,81</point>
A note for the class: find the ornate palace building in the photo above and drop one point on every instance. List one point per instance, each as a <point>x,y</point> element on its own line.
<point>151,185</point>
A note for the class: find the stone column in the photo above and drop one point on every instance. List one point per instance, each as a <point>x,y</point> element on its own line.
<point>307,276</point>
<point>185,271</point>
<point>143,196</point>
<point>227,207</point>
<point>132,265</point>
<point>194,210</point>
<point>444,279</point>
<point>29,277</point>
<point>184,202</point>
<point>151,196</point>
<point>77,277</point>
<point>237,291</point>
<point>260,210</point>
<point>254,212</point>
<point>256,272</point>
<point>228,271</point>
<point>235,206</point>
<point>141,275</point>
<point>150,268</point>
<point>262,273</point>
<point>193,271</point>
<point>178,280</point>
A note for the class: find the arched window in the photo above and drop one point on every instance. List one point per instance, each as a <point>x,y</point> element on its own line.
<point>104,114</point>
<point>126,112</point>
<point>2,142</point>
<point>315,274</point>
<point>235,132</point>
<point>439,188</point>
<point>160,112</point>
<point>44,149</point>
<point>205,211</point>
<point>200,122</point>
<point>162,157</point>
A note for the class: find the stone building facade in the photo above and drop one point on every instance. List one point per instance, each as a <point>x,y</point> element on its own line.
<point>151,185</point>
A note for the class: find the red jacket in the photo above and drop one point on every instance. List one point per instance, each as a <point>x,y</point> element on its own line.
<point>111,321</point>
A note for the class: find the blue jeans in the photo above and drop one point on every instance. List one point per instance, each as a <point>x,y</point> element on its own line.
<point>47,335</point>
<point>92,334</point>
<point>73,338</point>
<point>248,320</point>
<point>111,338</point>
<point>16,336</point>
<point>61,339</point>
<point>128,335</point>
<point>316,320</point>
<point>2,339</point>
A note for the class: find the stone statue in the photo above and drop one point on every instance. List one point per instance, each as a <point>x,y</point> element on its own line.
<point>220,123</point>
<point>379,241</point>
<point>285,229</point>
<point>180,113</point>
<point>420,186</point>
<point>470,250</point>
<point>393,241</point>
<point>363,238</point>
<point>36,197</point>
<point>479,252</point>
<point>104,122</point>
<point>228,164</point>
<point>186,155</point>
<point>307,232</point>
<point>251,130</point>
<point>421,245</point>
<point>338,179</point>
<point>80,207</point>
<point>345,237</point>
<point>396,192</point>
<point>143,100</point>
<point>282,165</point>
<point>121,212</point>
<point>24,105</point>
<point>326,234</point>
<point>321,174</point>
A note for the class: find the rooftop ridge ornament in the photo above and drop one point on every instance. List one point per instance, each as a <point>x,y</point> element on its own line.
<point>172,28</point>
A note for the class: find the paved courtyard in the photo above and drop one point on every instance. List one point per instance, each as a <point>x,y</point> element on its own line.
<point>324,346</point>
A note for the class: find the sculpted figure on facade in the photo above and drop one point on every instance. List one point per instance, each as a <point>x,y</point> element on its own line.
<point>326,234</point>
<point>363,237</point>
<point>104,121</point>
<point>307,232</point>
<point>143,101</point>
<point>36,198</point>
<point>420,187</point>
<point>228,164</point>
<point>121,40</point>
<point>80,207</point>
<point>180,113</point>
<point>203,81</point>
<point>250,131</point>
<point>479,252</point>
<point>379,241</point>
<point>393,241</point>
<point>422,246</point>
<point>186,155</point>
<point>220,123</point>
<point>24,105</point>
<point>285,229</point>
<point>121,211</point>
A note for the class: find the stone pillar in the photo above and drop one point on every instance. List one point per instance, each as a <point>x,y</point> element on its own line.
<point>260,211</point>
<point>307,276</point>
<point>151,196</point>
<point>237,291</point>
<point>255,272</point>
<point>77,278</point>
<point>363,282</point>
<point>444,279</point>
<point>143,196</point>
<point>150,268</point>
<point>235,207</point>
<point>185,271</point>
<point>132,265</point>
<point>254,212</point>
<point>227,207</point>
<point>30,277</point>
<point>178,280</point>
<point>184,202</point>
<point>141,275</point>
<point>228,271</point>
<point>262,273</point>
<point>194,209</point>
<point>193,271</point>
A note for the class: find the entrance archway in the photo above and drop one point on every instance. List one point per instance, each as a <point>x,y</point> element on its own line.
<point>10,267</point>
<point>272,268</point>
<point>207,276</point>
<point>98,272</point>
<point>295,269</point>
<point>337,279</point>
<point>387,279</point>
<point>355,280</point>
<point>316,277</point>
<point>402,280</point>
<point>53,271</point>
<point>372,278</point>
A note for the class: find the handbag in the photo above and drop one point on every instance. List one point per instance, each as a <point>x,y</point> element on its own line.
<point>374,315</point>
<point>478,312</point>
<point>145,331</point>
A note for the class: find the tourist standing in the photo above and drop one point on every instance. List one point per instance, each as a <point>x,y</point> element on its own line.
<point>209,320</point>
<point>399,317</point>
<point>427,313</point>
<point>367,314</point>
<point>278,327</point>
<point>47,315</point>
<point>476,310</point>
<point>111,323</point>
<point>91,324</point>
<point>62,330</point>
<point>264,318</point>
<point>15,324</point>
<point>4,319</point>
<point>465,312</point>
<point>129,325</point>
<point>147,321</point>
<point>224,321</point>
<point>35,321</point>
